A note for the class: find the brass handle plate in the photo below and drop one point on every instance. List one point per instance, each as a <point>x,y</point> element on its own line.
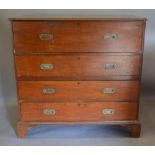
<point>48,91</point>
<point>110,66</point>
<point>46,37</point>
<point>109,90</point>
<point>110,36</point>
<point>46,66</point>
<point>108,111</point>
<point>49,111</point>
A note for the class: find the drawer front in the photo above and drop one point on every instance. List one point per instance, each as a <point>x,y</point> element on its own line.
<point>92,111</point>
<point>77,36</point>
<point>78,90</point>
<point>82,67</point>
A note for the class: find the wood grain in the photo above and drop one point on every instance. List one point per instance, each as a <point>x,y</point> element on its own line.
<point>79,51</point>
<point>78,36</point>
<point>78,90</point>
<point>80,67</point>
<point>91,111</point>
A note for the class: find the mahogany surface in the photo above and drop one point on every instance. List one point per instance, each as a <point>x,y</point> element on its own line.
<point>87,111</point>
<point>79,67</point>
<point>77,36</point>
<point>78,49</point>
<point>78,90</point>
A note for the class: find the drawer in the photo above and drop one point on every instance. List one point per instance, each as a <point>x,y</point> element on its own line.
<point>78,36</point>
<point>80,67</point>
<point>71,111</point>
<point>78,90</point>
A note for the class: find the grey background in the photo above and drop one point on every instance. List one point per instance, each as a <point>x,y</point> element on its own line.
<point>8,101</point>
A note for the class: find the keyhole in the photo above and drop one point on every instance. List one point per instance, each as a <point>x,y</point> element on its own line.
<point>78,83</point>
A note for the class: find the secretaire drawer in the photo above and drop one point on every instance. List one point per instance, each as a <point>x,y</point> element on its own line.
<point>78,36</point>
<point>80,67</point>
<point>78,90</point>
<point>89,111</point>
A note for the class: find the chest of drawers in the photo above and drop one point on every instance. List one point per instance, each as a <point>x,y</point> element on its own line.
<point>78,71</point>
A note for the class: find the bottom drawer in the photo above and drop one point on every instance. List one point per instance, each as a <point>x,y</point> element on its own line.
<point>92,111</point>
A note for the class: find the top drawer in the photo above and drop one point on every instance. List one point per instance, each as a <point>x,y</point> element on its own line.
<point>78,36</point>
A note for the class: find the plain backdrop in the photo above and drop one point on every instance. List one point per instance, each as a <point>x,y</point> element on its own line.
<point>73,135</point>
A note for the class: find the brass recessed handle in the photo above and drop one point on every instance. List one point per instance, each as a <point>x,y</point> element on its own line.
<point>49,111</point>
<point>109,90</point>
<point>46,36</point>
<point>48,90</point>
<point>108,111</point>
<point>110,36</point>
<point>46,66</point>
<point>110,66</point>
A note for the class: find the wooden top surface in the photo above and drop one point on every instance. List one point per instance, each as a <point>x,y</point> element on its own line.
<point>98,18</point>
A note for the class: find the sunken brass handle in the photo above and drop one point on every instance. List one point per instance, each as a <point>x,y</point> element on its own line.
<point>110,36</point>
<point>48,90</point>
<point>110,66</point>
<point>46,66</point>
<point>108,111</point>
<point>49,111</point>
<point>46,36</point>
<point>109,90</point>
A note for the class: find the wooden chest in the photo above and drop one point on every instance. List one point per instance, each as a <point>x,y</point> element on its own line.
<point>78,71</point>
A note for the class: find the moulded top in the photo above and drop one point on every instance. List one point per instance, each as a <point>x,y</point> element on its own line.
<point>77,18</point>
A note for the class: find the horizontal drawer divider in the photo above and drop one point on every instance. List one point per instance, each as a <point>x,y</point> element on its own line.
<point>79,53</point>
<point>118,78</point>
<point>80,101</point>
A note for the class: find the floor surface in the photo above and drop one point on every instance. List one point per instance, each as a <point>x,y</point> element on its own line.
<point>87,135</point>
